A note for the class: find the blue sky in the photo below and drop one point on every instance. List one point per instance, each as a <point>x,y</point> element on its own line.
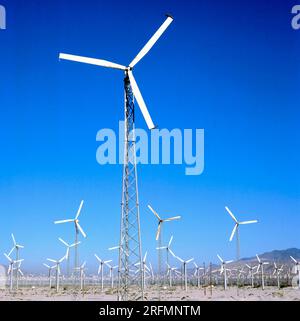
<point>230,68</point>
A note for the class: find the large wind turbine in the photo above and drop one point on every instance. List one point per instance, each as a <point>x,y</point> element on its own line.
<point>130,238</point>
<point>78,229</point>
<point>236,231</point>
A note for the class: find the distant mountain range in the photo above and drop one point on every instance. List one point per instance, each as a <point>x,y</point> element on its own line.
<point>280,256</point>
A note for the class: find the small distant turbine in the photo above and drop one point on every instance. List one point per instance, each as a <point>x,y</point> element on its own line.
<point>197,273</point>
<point>49,272</point>
<point>78,229</point>
<point>11,268</point>
<point>100,269</point>
<point>81,269</point>
<point>159,236</point>
<point>236,231</point>
<point>68,246</point>
<point>261,267</point>
<point>167,248</point>
<point>111,274</point>
<point>277,271</point>
<point>16,247</point>
<point>184,264</point>
<point>224,269</point>
<point>251,269</point>
<point>297,269</point>
<point>57,268</point>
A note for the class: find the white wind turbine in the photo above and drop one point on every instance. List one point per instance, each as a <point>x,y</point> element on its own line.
<point>111,274</point>
<point>261,267</point>
<point>277,271</point>
<point>101,268</point>
<point>197,273</point>
<point>68,246</point>
<point>81,269</point>
<point>184,265</point>
<point>159,235</point>
<point>297,269</point>
<point>170,272</point>
<point>236,231</point>
<point>49,272</point>
<point>167,248</point>
<point>16,247</point>
<point>11,268</point>
<point>251,269</point>
<point>78,229</point>
<point>224,269</point>
<point>144,268</point>
<point>57,268</point>
<point>127,69</point>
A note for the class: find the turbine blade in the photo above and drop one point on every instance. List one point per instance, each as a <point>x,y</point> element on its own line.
<point>63,221</point>
<point>293,259</point>
<point>65,243</point>
<point>114,248</point>
<point>152,41</point>
<point>249,222</point>
<point>81,230</point>
<point>145,257</point>
<point>51,260</point>
<point>258,259</point>
<point>230,213</point>
<point>172,218</point>
<point>11,251</point>
<point>233,232</point>
<point>152,210</point>
<point>9,259</point>
<point>140,101</point>
<point>79,210</point>
<point>190,260</point>
<point>46,265</point>
<point>171,239</point>
<point>220,258</point>
<point>98,258</point>
<point>91,61</point>
<point>13,238</point>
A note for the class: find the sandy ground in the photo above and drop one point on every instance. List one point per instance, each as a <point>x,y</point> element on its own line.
<point>176,294</point>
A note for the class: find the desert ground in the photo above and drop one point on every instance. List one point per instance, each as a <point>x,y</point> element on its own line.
<point>151,294</point>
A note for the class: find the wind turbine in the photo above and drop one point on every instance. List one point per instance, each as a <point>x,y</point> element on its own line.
<point>251,269</point>
<point>11,268</point>
<point>78,229</point>
<point>167,248</point>
<point>224,269</point>
<point>129,191</point>
<point>236,231</point>
<point>49,272</point>
<point>184,264</point>
<point>111,274</point>
<point>81,270</point>
<point>261,267</point>
<point>16,247</point>
<point>68,246</point>
<point>170,273</point>
<point>277,271</point>
<point>197,273</point>
<point>159,235</point>
<point>297,269</point>
<point>57,268</point>
<point>100,269</point>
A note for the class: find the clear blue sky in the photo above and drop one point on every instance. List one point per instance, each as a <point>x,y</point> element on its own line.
<point>232,68</point>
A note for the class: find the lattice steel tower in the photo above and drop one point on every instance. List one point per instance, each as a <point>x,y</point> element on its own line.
<point>130,249</point>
